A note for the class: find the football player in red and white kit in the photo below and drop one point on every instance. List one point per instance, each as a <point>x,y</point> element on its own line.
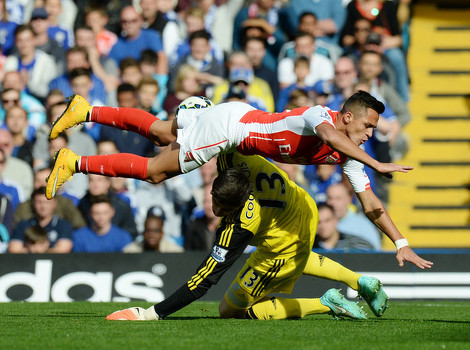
<point>307,135</point>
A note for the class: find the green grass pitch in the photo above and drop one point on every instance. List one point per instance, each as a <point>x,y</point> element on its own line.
<point>82,325</point>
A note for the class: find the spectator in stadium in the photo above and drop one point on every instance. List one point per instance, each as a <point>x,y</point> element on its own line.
<point>14,166</point>
<point>299,98</point>
<point>16,122</point>
<point>36,67</point>
<point>308,24</point>
<point>98,186</point>
<point>96,18</point>
<point>330,14</point>
<point>301,71</point>
<point>283,238</point>
<point>349,221</point>
<point>77,57</point>
<point>194,21</point>
<point>370,66</point>
<point>335,135</point>
<point>82,84</point>
<point>102,67</point>
<point>59,231</point>
<point>9,188</point>
<point>100,236</point>
<point>56,31</point>
<point>321,67</point>
<point>153,237</point>
<point>35,109</point>
<point>258,91</point>
<point>8,27</point>
<point>137,39</point>
<point>43,42</point>
<point>201,58</point>
<point>319,178</point>
<point>6,222</point>
<point>147,93</point>
<point>342,85</point>
<point>329,238</point>
<point>255,48</point>
<point>11,99</point>
<point>201,230</point>
<point>259,18</point>
<point>383,16</point>
<point>219,18</point>
<point>65,209</point>
<point>186,85</point>
<point>127,142</point>
<point>148,67</point>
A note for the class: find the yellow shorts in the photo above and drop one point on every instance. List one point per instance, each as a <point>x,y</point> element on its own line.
<point>261,276</point>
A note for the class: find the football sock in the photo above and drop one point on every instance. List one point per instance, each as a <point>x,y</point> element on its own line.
<point>131,119</point>
<point>321,266</point>
<point>282,308</point>
<point>117,165</point>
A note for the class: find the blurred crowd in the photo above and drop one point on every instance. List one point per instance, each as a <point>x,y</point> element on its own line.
<point>151,55</point>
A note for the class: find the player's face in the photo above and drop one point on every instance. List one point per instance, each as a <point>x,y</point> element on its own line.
<point>361,126</point>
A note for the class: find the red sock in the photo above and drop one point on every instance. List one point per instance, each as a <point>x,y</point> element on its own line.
<point>131,119</point>
<point>117,165</point>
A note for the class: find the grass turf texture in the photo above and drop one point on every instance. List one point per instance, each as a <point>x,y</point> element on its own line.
<point>82,325</point>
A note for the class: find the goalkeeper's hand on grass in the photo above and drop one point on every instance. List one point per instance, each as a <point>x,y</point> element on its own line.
<point>134,314</point>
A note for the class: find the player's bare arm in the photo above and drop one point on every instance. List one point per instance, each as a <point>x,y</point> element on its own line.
<point>377,214</point>
<point>343,144</point>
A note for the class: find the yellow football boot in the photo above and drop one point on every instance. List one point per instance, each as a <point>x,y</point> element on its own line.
<point>76,112</point>
<point>63,169</point>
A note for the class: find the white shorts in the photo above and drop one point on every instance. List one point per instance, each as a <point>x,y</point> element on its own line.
<point>204,133</point>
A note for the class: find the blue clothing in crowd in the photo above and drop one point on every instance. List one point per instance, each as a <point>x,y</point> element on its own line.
<point>148,39</point>
<point>56,229</point>
<point>85,240</point>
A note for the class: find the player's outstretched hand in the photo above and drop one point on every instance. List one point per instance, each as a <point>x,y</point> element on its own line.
<point>385,169</point>
<point>407,254</point>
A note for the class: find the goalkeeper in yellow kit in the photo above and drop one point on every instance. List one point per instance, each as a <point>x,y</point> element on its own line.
<point>260,206</point>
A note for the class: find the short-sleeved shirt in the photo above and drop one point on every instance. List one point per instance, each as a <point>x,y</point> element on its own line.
<point>56,229</point>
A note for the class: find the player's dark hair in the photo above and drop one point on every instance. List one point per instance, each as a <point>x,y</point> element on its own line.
<point>363,99</point>
<point>231,187</point>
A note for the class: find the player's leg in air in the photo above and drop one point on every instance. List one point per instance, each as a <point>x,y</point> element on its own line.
<point>155,170</point>
<point>247,297</point>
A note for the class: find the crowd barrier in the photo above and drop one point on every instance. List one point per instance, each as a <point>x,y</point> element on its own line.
<point>153,276</point>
